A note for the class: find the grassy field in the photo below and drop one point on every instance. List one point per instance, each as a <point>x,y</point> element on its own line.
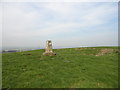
<point>70,68</point>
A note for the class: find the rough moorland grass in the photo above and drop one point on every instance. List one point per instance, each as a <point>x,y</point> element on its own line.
<point>70,68</point>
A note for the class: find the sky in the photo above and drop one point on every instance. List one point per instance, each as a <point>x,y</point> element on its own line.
<point>67,24</point>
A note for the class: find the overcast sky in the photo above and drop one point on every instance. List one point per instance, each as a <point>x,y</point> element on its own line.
<point>67,24</point>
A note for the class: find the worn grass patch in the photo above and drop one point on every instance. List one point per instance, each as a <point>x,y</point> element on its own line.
<point>70,68</point>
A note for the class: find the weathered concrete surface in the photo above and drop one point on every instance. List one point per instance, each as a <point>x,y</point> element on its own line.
<point>48,49</point>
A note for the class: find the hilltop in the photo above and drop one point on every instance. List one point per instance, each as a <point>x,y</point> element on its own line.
<point>89,67</point>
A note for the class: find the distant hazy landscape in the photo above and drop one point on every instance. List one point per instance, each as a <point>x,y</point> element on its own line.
<point>19,49</point>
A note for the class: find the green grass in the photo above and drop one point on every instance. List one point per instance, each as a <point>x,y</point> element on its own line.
<point>70,68</point>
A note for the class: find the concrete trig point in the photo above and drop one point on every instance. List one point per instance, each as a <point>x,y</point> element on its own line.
<point>48,49</point>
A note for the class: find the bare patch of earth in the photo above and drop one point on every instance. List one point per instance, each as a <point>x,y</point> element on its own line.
<point>104,51</point>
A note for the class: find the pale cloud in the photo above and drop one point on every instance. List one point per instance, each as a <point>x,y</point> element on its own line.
<point>92,17</point>
<point>31,24</point>
<point>0,26</point>
<point>60,0</point>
